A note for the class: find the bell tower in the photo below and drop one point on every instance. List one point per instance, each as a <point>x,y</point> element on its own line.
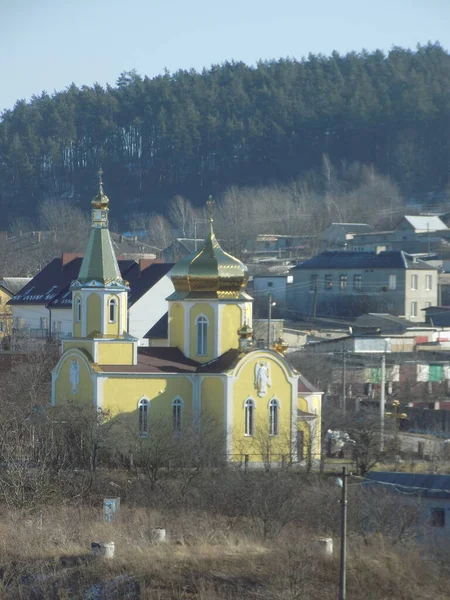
<point>209,305</point>
<point>100,295</point>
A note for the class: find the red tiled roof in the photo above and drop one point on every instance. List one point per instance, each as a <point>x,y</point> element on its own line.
<point>306,387</point>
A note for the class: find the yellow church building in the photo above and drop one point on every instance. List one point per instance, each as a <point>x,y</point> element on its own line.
<point>209,366</point>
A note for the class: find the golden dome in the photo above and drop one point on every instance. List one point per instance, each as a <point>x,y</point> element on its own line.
<point>281,346</point>
<point>101,200</point>
<point>211,271</point>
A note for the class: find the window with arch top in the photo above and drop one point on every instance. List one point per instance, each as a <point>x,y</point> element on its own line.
<point>274,417</point>
<point>112,310</point>
<point>177,410</point>
<point>249,417</point>
<point>143,409</point>
<point>78,310</point>
<point>202,335</point>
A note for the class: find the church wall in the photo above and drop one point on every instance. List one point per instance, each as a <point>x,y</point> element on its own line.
<point>63,386</point>
<point>176,325</point>
<point>93,313</point>
<point>261,442</point>
<point>121,394</point>
<point>212,399</point>
<point>231,322</point>
<point>113,328</point>
<point>88,346</point>
<point>311,404</point>
<point>202,308</point>
<point>115,353</point>
<point>76,325</point>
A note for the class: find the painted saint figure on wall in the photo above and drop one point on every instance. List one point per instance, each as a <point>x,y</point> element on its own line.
<point>74,375</point>
<point>262,378</point>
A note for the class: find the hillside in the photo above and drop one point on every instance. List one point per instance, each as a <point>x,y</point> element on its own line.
<point>195,133</point>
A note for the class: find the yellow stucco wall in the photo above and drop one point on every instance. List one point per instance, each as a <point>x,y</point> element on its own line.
<point>87,345</point>
<point>121,396</point>
<point>113,328</point>
<point>63,387</point>
<point>176,320</point>
<point>114,353</point>
<point>6,315</point>
<point>311,427</point>
<point>231,322</point>
<point>212,399</point>
<point>76,324</point>
<point>202,309</point>
<point>93,313</point>
<point>261,443</point>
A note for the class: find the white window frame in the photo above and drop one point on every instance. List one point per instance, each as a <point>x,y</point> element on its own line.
<point>274,417</point>
<point>201,335</point>
<point>112,304</point>
<point>249,417</point>
<point>414,282</point>
<point>343,281</point>
<point>392,281</point>
<point>177,414</point>
<point>143,417</point>
<point>428,283</point>
<point>78,310</point>
<point>413,311</point>
<point>357,281</point>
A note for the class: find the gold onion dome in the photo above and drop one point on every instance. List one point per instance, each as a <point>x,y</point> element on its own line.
<point>101,200</point>
<point>211,271</point>
<point>245,331</point>
<point>281,346</point>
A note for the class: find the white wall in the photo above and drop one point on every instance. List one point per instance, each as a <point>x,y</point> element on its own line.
<point>150,308</point>
<point>278,287</point>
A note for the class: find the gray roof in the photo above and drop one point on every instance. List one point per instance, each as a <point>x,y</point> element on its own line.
<point>14,284</point>
<point>425,222</point>
<point>428,485</point>
<point>347,259</point>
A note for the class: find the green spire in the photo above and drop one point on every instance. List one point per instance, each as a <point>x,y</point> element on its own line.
<point>99,262</point>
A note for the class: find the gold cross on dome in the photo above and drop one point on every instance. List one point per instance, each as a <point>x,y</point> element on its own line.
<point>100,180</point>
<point>209,206</point>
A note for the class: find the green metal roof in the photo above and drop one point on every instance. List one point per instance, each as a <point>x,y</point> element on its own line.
<point>99,262</point>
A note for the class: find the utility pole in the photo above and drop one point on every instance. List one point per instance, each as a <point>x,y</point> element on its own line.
<point>342,562</point>
<point>315,300</point>
<point>269,320</point>
<point>344,376</point>
<point>382,396</point>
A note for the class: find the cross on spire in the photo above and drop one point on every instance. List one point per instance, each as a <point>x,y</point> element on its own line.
<point>100,180</point>
<point>209,206</point>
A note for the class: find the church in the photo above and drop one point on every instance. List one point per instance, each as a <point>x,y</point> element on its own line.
<point>209,367</point>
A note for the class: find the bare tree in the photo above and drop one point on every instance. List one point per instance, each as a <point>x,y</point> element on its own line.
<point>181,215</point>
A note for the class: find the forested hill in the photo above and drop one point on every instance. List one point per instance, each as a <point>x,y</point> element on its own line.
<point>194,133</point>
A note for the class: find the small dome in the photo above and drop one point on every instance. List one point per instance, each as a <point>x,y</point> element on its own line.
<point>211,271</point>
<point>101,200</point>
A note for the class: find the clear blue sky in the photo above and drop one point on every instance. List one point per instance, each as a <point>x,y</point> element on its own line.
<point>47,44</point>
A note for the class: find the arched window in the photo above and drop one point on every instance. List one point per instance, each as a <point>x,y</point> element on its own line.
<point>143,408</point>
<point>274,413</point>
<point>78,310</point>
<point>249,416</point>
<point>177,409</point>
<point>112,310</point>
<point>202,335</point>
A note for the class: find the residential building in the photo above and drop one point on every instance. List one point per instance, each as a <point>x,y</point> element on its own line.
<point>44,306</point>
<point>337,235</point>
<point>210,365</point>
<point>348,284</point>
<point>274,284</point>
<point>8,287</point>
<point>427,494</point>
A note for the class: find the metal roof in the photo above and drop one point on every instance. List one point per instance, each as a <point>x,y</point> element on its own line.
<point>347,259</point>
<point>426,222</point>
<point>424,484</point>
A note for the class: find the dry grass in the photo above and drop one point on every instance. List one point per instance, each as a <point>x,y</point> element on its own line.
<point>206,558</point>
